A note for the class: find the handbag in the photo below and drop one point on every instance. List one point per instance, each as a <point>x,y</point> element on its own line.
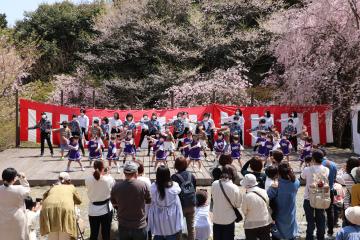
<point>238,215</point>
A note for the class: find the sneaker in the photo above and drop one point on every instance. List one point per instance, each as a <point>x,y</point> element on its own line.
<point>67,170</point>
<point>82,169</point>
<point>41,155</point>
<point>52,154</point>
<point>62,158</point>
<point>118,169</point>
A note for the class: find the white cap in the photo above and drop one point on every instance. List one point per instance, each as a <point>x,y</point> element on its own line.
<point>355,172</point>
<point>352,214</point>
<point>249,181</point>
<point>64,176</point>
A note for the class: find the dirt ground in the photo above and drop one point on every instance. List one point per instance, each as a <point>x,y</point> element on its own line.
<point>337,155</point>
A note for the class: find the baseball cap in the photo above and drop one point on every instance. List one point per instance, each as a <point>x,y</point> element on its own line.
<point>131,167</point>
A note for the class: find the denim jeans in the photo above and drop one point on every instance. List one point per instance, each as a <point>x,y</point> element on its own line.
<point>132,234</point>
<point>223,232</point>
<point>314,217</point>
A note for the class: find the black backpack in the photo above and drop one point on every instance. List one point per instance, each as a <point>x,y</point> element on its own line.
<point>188,191</point>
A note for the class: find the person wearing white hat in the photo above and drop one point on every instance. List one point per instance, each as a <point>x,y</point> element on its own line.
<point>352,231</point>
<point>57,216</point>
<point>257,218</point>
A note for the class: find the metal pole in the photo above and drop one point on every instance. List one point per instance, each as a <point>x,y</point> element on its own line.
<point>62,97</point>
<point>252,98</point>
<point>172,99</point>
<point>17,129</point>
<point>94,98</point>
<point>213,97</point>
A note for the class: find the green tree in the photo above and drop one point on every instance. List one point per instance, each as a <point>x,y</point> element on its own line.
<point>146,47</point>
<point>3,21</point>
<point>61,31</point>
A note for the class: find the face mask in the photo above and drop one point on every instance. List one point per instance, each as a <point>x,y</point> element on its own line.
<point>236,141</point>
<point>43,116</point>
<point>290,124</point>
<point>237,113</point>
<point>206,119</point>
<point>179,118</point>
<point>146,118</point>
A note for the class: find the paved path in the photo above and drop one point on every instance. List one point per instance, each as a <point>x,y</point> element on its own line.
<point>42,171</point>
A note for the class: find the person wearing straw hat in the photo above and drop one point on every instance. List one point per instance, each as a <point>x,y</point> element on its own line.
<point>257,218</point>
<point>352,231</point>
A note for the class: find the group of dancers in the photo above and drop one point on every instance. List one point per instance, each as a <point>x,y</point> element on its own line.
<point>192,139</point>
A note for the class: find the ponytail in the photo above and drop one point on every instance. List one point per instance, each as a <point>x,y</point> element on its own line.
<point>96,174</point>
<point>99,167</point>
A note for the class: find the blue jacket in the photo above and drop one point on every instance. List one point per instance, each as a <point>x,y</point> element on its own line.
<point>285,195</point>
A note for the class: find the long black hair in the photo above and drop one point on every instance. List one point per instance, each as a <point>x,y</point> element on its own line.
<point>163,180</point>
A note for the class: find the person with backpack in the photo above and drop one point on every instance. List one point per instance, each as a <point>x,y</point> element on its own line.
<point>355,189</point>
<point>187,183</point>
<point>316,177</point>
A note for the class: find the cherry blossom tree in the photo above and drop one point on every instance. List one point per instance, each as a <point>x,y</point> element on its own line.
<point>78,89</point>
<point>228,85</point>
<point>318,59</point>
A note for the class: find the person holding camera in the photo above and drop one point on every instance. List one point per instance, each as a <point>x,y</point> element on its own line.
<point>12,210</point>
<point>45,133</point>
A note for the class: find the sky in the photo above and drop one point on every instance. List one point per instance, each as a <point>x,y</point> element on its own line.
<point>14,9</point>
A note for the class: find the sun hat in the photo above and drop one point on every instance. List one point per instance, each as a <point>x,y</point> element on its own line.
<point>352,214</point>
<point>249,181</point>
<point>355,172</point>
<point>131,167</point>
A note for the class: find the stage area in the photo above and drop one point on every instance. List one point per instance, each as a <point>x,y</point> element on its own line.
<point>43,171</point>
